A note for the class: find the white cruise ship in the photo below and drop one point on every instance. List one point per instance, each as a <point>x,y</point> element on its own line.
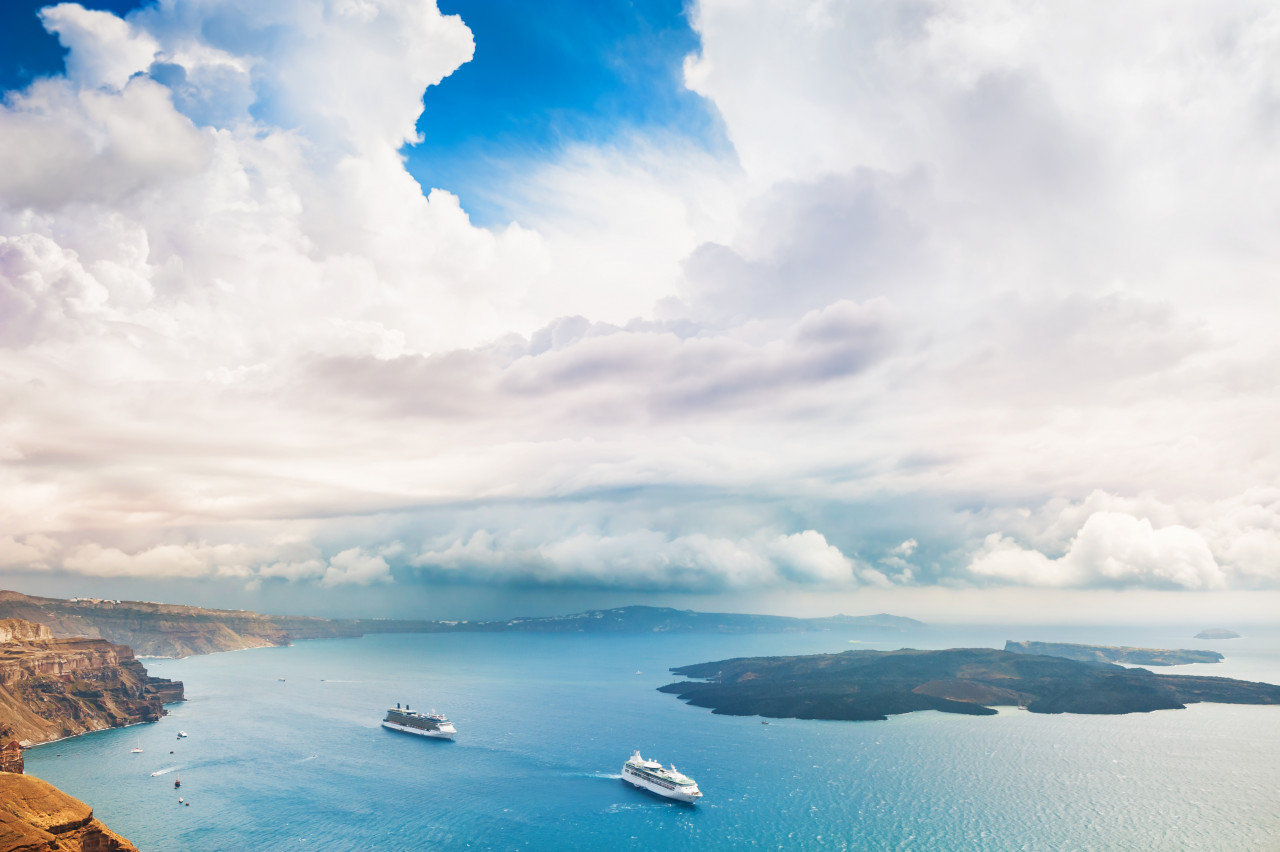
<point>649,775</point>
<point>431,724</point>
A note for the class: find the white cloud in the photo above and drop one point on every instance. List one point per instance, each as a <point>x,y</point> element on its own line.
<point>31,553</point>
<point>646,559</point>
<point>1194,544</point>
<point>94,146</point>
<point>960,261</point>
<point>289,560</point>
<point>102,49</point>
<point>355,566</point>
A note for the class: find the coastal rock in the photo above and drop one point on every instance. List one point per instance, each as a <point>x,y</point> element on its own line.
<point>872,685</point>
<point>35,815</point>
<point>54,688</point>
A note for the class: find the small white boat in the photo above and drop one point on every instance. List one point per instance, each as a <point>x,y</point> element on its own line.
<point>182,735</point>
<point>136,749</point>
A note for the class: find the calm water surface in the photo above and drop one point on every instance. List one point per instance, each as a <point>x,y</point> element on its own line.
<point>545,723</point>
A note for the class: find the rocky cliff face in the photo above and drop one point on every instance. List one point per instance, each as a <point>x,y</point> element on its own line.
<point>35,815</point>
<point>54,688</point>
<point>151,629</point>
<point>17,630</point>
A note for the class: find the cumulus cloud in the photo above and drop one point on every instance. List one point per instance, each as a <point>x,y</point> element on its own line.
<point>102,49</point>
<point>355,566</point>
<point>647,560</point>
<point>30,553</point>
<point>289,560</point>
<point>1192,545</point>
<point>957,262</point>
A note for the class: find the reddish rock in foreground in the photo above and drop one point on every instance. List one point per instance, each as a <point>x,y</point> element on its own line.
<point>35,815</point>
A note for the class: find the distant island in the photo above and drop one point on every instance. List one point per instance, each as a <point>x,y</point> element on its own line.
<point>1113,653</point>
<point>171,630</point>
<point>872,685</point>
<point>1217,633</point>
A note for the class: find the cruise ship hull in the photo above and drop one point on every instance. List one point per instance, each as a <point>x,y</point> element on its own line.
<point>659,789</point>
<point>444,733</point>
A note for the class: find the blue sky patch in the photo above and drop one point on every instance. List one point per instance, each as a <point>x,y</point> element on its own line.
<point>544,76</point>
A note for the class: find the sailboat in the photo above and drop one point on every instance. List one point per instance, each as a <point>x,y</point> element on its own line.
<point>177,782</point>
<point>137,749</point>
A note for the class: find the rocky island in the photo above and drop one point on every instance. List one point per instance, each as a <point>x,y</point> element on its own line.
<point>872,685</point>
<point>52,688</point>
<point>1217,633</point>
<point>1114,653</point>
<point>171,630</point>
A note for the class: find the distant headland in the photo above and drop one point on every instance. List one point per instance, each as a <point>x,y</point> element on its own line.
<point>872,685</point>
<point>1114,653</point>
<point>170,630</point>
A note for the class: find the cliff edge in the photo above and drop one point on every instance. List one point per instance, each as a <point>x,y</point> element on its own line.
<point>54,688</point>
<point>35,815</point>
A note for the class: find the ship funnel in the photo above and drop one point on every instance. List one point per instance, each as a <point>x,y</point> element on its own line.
<point>397,705</point>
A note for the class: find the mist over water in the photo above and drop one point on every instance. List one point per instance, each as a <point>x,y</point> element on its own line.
<point>545,723</point>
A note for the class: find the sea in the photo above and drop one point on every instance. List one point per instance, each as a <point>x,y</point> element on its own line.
<point>285,752</point>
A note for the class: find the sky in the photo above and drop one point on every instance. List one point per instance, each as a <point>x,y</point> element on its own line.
<point>961,310</point>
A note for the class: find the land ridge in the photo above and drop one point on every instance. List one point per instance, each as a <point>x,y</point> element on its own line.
<point>174,630</point>
<point>1114,653</point>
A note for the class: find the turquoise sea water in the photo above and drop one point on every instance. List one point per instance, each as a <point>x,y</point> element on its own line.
<point>545,723</point>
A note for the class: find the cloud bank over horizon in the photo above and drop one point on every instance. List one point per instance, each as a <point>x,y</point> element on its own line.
<point>982,296</point>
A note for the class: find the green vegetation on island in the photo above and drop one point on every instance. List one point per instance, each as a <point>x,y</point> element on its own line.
<point>1114,653</point>
<point>872,685</point>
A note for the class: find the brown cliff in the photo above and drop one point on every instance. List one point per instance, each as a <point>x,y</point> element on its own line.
<point>54,688</point>
<point>151,629</point>
<point>35,815</point>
